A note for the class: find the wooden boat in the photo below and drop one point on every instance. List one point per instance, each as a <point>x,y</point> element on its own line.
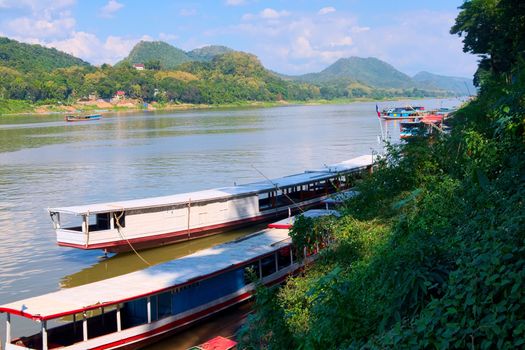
<point>408,112</point>
<point>217,343</point>
<point>82,118</point>
<point>135,309</point>
<point>422,126</point>
<point>143,223</point>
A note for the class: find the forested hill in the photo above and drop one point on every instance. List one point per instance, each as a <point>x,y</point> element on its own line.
<point>369,71</point>
<point>170,57</point>
<point>208,53</point>
<point>167,55</point>
<point>459,85</point>
<point>29,58</point>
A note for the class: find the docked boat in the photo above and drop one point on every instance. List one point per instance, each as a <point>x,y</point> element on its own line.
<point>143,223</point>
<point>132,310</point>
<point>82,118</point>
<point>407,112</point>
<point>422,126</point>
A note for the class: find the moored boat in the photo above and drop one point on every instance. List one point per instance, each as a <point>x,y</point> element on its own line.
<point>138,308</point>
<point>143,223</point>
<point>407,112</point>
<point>82,118</point>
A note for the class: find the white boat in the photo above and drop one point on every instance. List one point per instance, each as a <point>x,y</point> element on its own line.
<point>138,308</point>
<point>143,223</point>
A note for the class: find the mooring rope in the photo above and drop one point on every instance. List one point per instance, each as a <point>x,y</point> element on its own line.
<point>119,227</point>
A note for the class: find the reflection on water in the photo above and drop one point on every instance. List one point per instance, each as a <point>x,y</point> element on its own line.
<point>47,162</point>
<point>123,263</point>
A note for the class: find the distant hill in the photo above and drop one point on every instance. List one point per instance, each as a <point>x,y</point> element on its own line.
<point>368,71</point>
<point>458,85</point>
<point>171,57</point>
<point>168,55</point>
<point>28,57</point>
<point>208,53</point>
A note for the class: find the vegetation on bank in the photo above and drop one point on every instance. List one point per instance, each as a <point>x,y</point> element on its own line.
<point>210,76</point>
<point>431,254</point>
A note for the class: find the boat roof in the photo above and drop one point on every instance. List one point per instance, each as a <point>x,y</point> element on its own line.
<point>150,280</point>
<point>353,164</point>
<point>312,213</point>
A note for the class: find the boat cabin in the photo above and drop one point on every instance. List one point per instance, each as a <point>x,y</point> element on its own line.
<point>144,223</point>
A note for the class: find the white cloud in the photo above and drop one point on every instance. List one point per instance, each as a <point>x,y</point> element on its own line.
<point>326,10</point>
<point>109,10</point>
<point>235,2</point>
<point>41,28</point>
<point>90,48</point>
<point>269,13</point>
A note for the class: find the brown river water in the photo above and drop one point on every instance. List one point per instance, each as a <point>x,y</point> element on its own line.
<point>46,162</point>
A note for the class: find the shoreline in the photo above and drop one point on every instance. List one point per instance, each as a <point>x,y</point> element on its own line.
<point>126,106</point>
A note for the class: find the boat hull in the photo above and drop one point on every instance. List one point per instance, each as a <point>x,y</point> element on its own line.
<point>123,245</point>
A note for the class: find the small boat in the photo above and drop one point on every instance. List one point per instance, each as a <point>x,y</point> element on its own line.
<point>150,222</point>
<point>138,308</point>
<point>217,343</point>
<point>422,126</point>
<point>82,118</point>
<point>407,112</point>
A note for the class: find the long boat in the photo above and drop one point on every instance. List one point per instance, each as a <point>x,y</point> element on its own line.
<point>144,223</point>
<point>82,118</point>
<point>138,308</point>
<point>408,112</point>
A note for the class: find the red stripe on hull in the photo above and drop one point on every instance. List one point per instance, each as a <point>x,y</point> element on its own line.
<point>154,335</point>
<point>184,235</point>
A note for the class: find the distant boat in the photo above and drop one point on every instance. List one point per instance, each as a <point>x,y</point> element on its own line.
<point>82,118</point>
<point>408,112</point>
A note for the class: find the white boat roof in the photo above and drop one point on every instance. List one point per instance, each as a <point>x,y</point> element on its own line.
<point>219,193</point>
<point>151,280</point>
<point>287,223</point>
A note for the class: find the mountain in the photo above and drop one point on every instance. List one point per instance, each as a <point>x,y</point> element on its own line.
<point>458,85</point>
<point>368,71</point>
<point>207,53</point>
<point>168,55</point>
<point>28,57</point>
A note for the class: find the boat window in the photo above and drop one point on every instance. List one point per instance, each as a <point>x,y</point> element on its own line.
<point>283,257</point>
<point>134,313</point>
<point>164,305</point>
<point>268,265</point>
<point>251,273</point>
<point>102,222</point>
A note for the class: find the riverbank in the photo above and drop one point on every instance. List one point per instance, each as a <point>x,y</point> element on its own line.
<point>20,107</point>
<point>430,254</point>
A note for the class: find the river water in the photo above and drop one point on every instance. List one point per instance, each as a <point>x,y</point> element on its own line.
<point>46,162</point>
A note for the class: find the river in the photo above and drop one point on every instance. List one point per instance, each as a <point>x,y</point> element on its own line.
<point>46,162</point>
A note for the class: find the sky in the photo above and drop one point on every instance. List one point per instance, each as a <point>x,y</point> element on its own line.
<point>289,36</point>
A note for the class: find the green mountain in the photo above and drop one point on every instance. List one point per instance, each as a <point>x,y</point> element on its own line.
<point>368,71</point>
<point>207,53</point>
<point>147,51</point>
<point>28,58</point>
<point>458,85</point>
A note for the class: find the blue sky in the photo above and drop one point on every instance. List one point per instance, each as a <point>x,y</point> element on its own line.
<point>291,37</point>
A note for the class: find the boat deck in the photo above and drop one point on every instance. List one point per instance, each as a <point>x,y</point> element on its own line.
<point>151,280</point>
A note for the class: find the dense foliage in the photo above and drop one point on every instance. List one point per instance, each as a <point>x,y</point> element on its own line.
<point>431,254</point>
<point>34,58</point>
<point>228,78</point>
<point>145,51</point>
